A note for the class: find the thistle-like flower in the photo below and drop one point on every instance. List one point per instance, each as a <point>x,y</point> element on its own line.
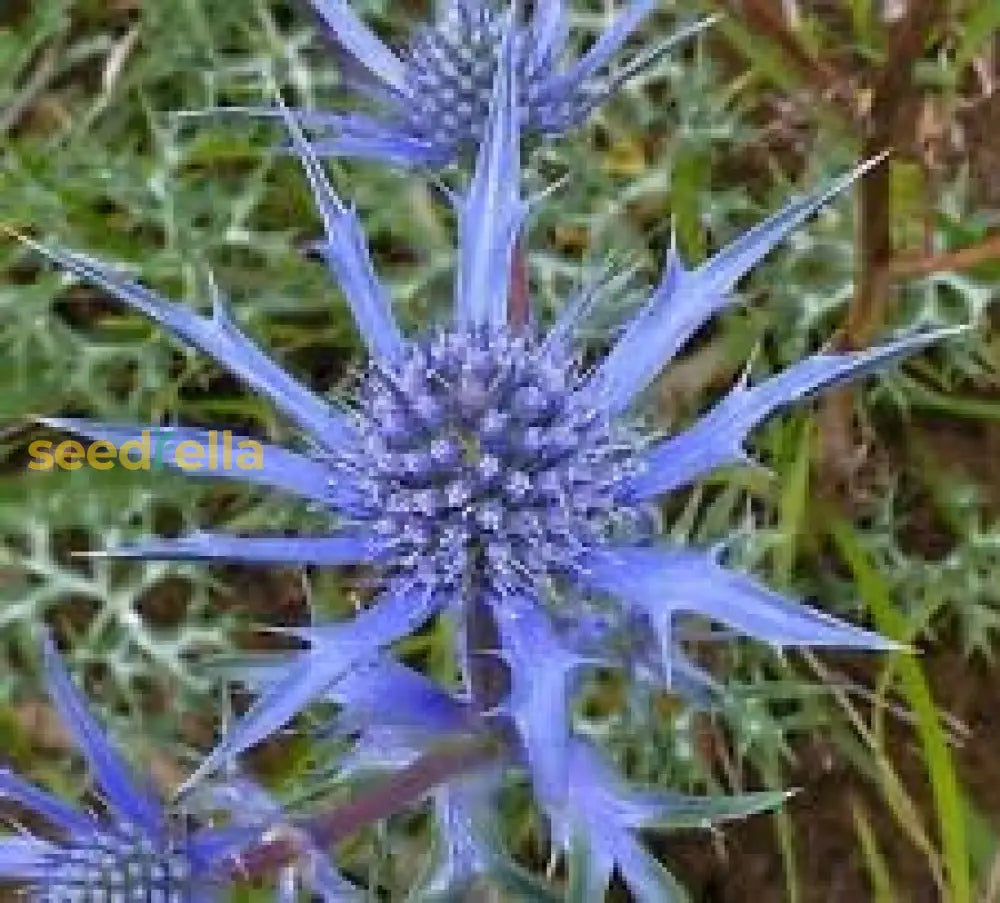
<point>136,852</point>
<point>434,97</point>
<point>486,476</point>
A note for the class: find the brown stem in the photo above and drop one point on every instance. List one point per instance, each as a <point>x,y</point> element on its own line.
<point>873,243</point>
<point>489,679</point>
<point>911,266</point>
<point>764,18</point>
<point>893,98</point>
<point>46,70</point>
<point>386,798</point>
<point>874,246</point>
<point>519,302</point>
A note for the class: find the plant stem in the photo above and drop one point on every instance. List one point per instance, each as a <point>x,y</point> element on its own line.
<point>519,302</point>
<point>385,798</point>
<point>489,680</point>
<point>905,266</point>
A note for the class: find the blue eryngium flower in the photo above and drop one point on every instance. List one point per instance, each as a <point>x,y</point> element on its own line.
<point>434,98</point>
<point>480,468</point>
<point>135,852</point>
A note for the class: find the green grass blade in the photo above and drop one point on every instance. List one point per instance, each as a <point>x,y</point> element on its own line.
<point>878,869</point>
<point>792,507</point>
<point>938,759</point>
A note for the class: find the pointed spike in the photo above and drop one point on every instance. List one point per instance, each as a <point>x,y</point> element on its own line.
<point>109,769</point>
<point>647,58</point>
<point>346,251</point>
<point>717,439</point>
<point>685,300</point>
<point>227,345</point>
<point>492,212</point>
<point>363,44</point>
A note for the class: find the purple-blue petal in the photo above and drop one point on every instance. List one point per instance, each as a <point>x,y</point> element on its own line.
<point>208,848</point>
<point>53,810</point>
<point>379,692</point>
<point>717,438</point>
<point>549,31</point>
<point>609,282</point>
<point>649,56</point>
<point>385,747</point>
<point>666,582</point>
<point>464,846</point>
<point>387,692</point>
<point>357,38</point>
<point>543,675</point>
<point>399,150</point>
<point>492,212</point>
<point>25,858</point>
<point>219,337</point>
<point>604,812</point>
<point>346,253</point>
<point>132,803</point>
<point>279,467</point>
<point>357,135</point>
<point>335,650</point>
<point>319,550</point>
<point>607,45</point>
<point>686,299</point>
<point>585,92</point>
<point>349,135</point>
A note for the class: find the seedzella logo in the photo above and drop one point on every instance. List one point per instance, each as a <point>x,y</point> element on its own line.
<point>153,449</point>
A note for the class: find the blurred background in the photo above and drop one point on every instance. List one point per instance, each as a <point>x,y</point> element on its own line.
<point>881,503</point>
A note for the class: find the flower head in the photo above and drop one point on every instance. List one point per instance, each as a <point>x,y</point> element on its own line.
<point>480,468</point>
<point>435,95</point>
<point>135,852</point>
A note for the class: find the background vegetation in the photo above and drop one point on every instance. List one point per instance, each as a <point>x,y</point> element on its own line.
<point>883,504</point>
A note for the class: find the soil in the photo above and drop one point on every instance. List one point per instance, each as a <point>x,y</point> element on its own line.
<point>831,868</point>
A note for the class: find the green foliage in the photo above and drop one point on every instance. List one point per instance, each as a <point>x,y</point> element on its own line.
<point>938,758</point>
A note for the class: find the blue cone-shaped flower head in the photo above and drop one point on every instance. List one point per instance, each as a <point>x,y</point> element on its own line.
<point>479,467</point>
<point>435,95</point>
<point>134,852</point>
